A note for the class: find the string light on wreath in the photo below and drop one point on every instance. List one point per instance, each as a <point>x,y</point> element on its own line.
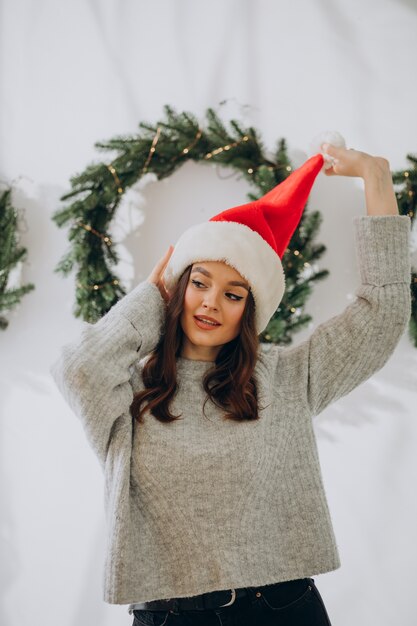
<point>116,178</point>
<point>90,229</point>
<point>272,168</point>
<point>191,146</point>
<point>97,287</point>
<point>152,150</point>
<point>217,151</point>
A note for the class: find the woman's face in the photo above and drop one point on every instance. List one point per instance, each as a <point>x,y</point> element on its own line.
<point>215,290</point>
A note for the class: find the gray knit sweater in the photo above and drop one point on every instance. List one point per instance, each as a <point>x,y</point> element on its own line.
<point>203,504</point>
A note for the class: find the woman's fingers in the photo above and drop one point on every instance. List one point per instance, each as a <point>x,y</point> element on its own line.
<point>331,149</point>
<point>155,276</point>
<point>166,258</point>
<point>346,162</point>
<point>162,263</point>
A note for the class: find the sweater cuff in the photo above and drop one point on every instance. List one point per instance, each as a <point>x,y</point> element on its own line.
<point>383,248</point>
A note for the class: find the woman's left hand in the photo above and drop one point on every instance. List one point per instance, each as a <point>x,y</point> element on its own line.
<point>353,162</point>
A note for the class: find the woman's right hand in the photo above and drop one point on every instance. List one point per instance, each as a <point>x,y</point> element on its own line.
<point>155,277</point>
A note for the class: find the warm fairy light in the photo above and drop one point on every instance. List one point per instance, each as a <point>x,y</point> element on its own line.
<point>97,287</point>
<point>250,171</point>
<point>152,150</point>
<point>192,144</point>
<point>155,141</point>
<point>223,148</point>
<point>116,178</point>
<point>105,238</point>
<point>406,174</point>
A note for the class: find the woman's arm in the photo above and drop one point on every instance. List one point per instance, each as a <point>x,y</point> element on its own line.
<point>379,190</point>
<point>350,347</point>
<point>93,373</point>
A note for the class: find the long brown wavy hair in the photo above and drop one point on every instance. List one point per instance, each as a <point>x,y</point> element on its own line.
<point>230,383</point>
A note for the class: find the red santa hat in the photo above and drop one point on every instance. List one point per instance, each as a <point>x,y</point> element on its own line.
<point>252,238</point>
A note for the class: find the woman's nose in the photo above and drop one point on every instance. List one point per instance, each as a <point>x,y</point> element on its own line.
<point>210,300</point>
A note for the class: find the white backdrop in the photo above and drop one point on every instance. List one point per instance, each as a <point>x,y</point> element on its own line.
<point>78,72</point>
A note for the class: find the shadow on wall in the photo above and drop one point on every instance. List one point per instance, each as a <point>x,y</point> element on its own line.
<point>10,564</point>
<point>410,4</point>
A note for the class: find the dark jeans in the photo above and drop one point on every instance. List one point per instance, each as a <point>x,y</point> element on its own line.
<point>292,603</point>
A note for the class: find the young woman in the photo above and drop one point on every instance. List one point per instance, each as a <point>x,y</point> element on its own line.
<point>214,498</point>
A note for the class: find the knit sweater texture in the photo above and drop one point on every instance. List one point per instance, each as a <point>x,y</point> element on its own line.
<point>202,503</point>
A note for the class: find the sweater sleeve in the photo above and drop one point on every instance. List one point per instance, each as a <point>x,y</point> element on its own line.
<point>93,373</point>
<point>350,347</point>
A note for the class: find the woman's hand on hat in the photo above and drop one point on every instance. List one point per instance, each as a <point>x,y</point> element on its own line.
<point>353,162</point>
<point>156,276</point>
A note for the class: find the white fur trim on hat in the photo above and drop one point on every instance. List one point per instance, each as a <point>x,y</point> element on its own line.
<point>240,247</point>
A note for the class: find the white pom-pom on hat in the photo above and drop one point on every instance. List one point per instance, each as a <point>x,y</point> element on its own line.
<point>326,136</point>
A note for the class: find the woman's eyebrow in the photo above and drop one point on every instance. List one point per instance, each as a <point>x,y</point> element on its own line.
<point>236,283</point>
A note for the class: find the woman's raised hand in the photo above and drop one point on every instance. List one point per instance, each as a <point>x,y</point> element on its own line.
<point>352,162</point>
<point>379,190</point>
<point>156,276</point>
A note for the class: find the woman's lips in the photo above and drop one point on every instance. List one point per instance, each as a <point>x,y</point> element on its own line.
<point>204,325</point>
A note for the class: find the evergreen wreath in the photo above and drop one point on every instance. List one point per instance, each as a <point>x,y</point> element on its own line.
<point>161,149</point>
<point>10,255</point>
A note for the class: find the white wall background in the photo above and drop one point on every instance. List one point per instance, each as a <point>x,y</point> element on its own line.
<point>77,72</point>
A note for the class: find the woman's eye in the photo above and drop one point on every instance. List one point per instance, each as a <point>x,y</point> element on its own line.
<point>233,296</point>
